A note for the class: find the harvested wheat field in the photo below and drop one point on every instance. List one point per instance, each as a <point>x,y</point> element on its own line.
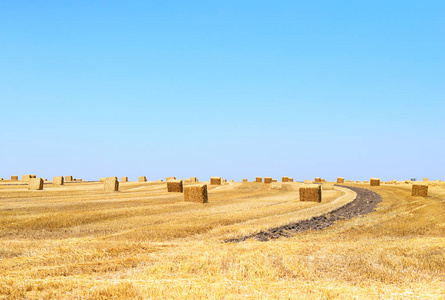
<point>78,241</point>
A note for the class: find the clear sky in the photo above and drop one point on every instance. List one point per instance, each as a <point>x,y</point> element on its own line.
<point>236,89</point>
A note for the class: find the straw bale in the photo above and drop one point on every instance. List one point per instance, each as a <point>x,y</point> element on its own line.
<point>374,181</point>
<point>1,179</point>
<point>419,190</point>
<point>340,180</point>
<point>124,179</point>
<point>259,179</point>
<point>159,180</point>
<point>323,180</point>
<point>58,180</point>
<point>267,179</point>
<point>327,186</point>
<point>290,179</point>
<point>196,193</point>
<point>174,186</point>
<point>26,178</point>
<point>284,179</point>
<point>193,179</point>
<point>244,180</point>
<point>170,178</point>
<point>215,180</point>
<point>111,184</point>
<point>310,192</point>
<point>78,180</point>
<point>35,184</point>
<point>306,181</point>
<point>14,178</point>
<point>187,181</point>
<point>142,179</point>
<point>231,180</point>
<point>358,181</point>
<point>274,180</point>
<point>68,178</point>
<point>317,179</point>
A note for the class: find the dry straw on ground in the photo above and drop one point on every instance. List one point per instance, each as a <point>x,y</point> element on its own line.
<point>124,179</point>
<point>215,181</point>
<point>374,182</point>
<point>14,178</point>
<point>174,186</point>
<point>111,184</point>
<point>284,179</point>
<point>340,180</point>
<point>35,184</point>
<point>310,192</point>
<point>196,193</point>
<point>267,179</point>
<point>259,179</point>
<point>306,181</point>
<point>419,190</point>
<point>58,180</point>
<point>142,179</point>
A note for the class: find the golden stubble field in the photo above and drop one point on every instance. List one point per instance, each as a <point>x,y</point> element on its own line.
<point>79,242</point>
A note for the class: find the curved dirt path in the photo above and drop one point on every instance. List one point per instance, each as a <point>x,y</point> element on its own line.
<point>365,203</point>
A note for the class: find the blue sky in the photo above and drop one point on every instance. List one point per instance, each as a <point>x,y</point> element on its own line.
<point>236,89</point>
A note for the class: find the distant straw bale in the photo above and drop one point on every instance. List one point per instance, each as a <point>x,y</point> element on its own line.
<point>259,179</point>
<point>26,178</point>
<point>374,181</point>
<point>420,190</point>
<point>244,180</point>
<point>124,179</point>
<point>425,179</point>
<point>317,179</point>
<point>310,192</point>
<point>290,179</point>
<point>58,180</point>
<point>142,179</point>
<point>327,186</point>
<point>170,178</point>
<point>111,184</point>
<point>174,186</point>
<point>1,179</point>
<point>35,184</point>
<point>159,180</point>
<point>196,193</point>
<point>284,179</point>
<point>274,180</point>
<point>78,180</point>
<point>267,179</point>
<point>231,180</point>
<point>366,181</point>
<point>215,180</point>
<point>68,178</point>
<point>14,178</point>
<point>193,179</point>
<point>323,180</point>
<point>340,180</point>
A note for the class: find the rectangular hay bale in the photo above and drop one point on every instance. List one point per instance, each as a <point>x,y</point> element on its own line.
<point>374,181</point>
<point>215,180</point>
<point>259,179</point>
<point>284,179</point>
<point>35,184</point>
<point>317,179</point>
<point>310,192</point>
<point>58,180</point>
<point>14,178</point>
<point>193,179</point>
<point>174,186</point>
<point>68,178</point>
<point>340,180</point>
<point>244,180</point>
<point>420,190</point>
<point>170,178</point>
<point>142,179</point>
<point>290,179</point>
<point>196,193</point>
<point>124,179</point>
<point>26,178</point>
<point>267,179</point>
<point>111,184</point>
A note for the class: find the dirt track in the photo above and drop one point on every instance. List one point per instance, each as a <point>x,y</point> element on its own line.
<point>365,203</point>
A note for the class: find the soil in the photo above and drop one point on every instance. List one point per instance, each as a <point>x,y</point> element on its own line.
<point>365,202</point>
